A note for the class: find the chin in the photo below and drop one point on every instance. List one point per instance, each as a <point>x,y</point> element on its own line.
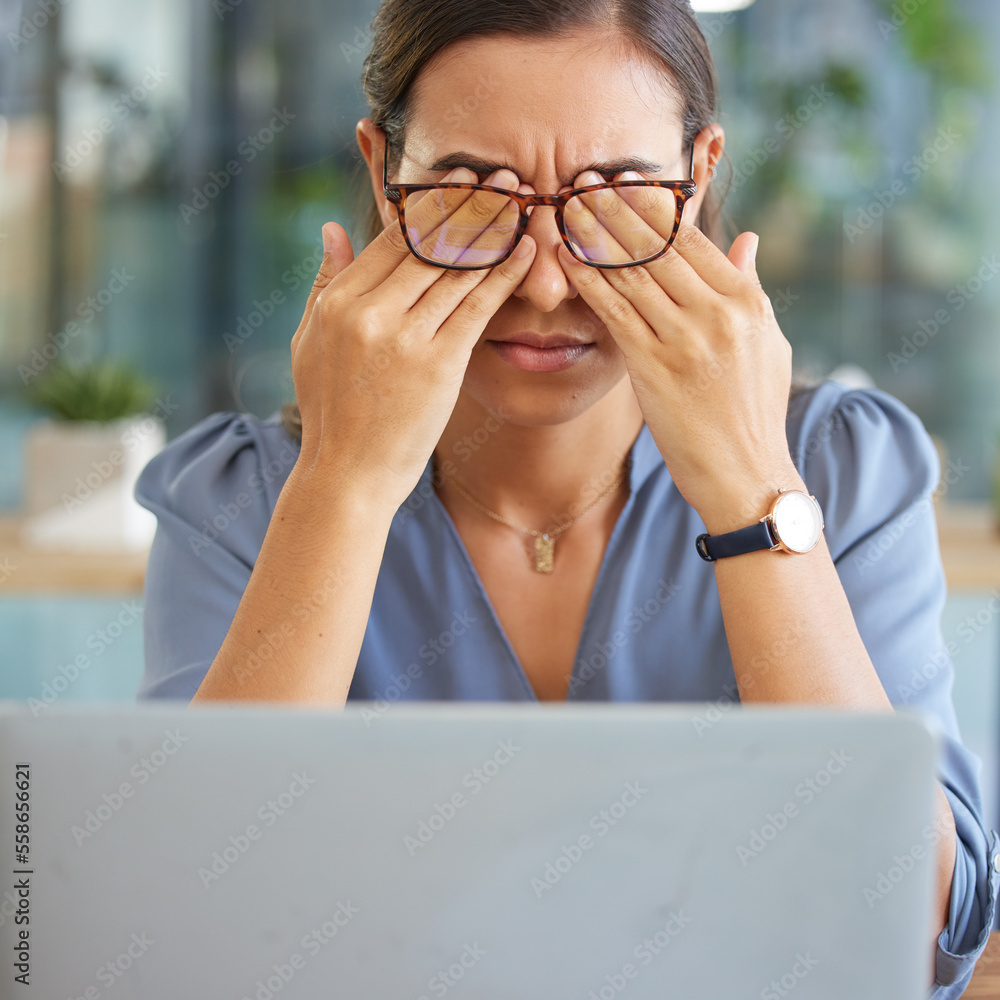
<point>536,400</point>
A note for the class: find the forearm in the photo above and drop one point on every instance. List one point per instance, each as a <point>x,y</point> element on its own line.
<point>297,632</point>
<point>793,639</point>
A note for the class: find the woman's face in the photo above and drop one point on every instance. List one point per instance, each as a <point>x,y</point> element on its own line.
<point>548,108</point>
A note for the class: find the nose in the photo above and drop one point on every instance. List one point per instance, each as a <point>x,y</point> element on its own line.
<point>545,285</point>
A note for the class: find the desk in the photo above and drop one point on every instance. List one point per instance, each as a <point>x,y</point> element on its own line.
<point>970,546</point>
<point>970,550</point>
<point>985,983</point>
<point>39,571</point>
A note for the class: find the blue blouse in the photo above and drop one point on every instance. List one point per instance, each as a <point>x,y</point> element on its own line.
<point>433,634</point>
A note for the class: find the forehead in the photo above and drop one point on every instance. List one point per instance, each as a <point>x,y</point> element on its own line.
<point>543,104</point>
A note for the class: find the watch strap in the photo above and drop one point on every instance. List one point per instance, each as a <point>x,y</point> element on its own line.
<point>736,543</point>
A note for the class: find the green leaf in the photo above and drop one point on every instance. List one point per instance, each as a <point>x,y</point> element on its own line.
<point>97,391</point>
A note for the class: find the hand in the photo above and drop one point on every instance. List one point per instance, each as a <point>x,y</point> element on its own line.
<point>381,352</point>
<point>709,365</point>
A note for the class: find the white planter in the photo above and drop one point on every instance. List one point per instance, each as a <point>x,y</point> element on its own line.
<point>79,479</point>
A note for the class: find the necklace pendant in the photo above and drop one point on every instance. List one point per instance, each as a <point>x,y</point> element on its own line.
<point>544,549</point>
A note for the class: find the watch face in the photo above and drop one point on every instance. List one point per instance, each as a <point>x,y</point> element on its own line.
<point>796,521</point>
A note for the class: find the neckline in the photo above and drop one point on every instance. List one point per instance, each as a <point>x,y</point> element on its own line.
<point>639,470</point>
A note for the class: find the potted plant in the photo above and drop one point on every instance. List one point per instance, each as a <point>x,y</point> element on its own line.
<point>83,458</point>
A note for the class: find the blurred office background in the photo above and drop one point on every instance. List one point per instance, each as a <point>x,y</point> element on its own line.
<point>165,168</point>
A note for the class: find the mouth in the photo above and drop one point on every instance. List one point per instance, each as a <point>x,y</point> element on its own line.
<point>533,353</point>
<point>544,343</point>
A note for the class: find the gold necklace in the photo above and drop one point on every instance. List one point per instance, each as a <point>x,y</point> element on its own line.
<point>545,541</point>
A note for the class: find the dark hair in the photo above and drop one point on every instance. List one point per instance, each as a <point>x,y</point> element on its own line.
<point>666,31</point>
<point>407,34</point>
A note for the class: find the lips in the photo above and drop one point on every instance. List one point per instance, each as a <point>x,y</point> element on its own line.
<point>541,359</point>
<point>537,340</point>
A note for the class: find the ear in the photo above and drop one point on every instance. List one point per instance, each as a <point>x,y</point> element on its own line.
<point>709,144</point>
<point>371,142</point>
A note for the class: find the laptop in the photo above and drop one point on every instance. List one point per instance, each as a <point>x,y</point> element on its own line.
<point>464,850</point>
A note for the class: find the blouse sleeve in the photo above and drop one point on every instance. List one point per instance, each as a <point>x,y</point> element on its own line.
<point>212,490</point>
<point>874,469</point>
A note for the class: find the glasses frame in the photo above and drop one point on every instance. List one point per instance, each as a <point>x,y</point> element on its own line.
<point>396,194</point>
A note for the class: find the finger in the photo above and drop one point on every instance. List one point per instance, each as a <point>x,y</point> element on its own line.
<point>612,308</point>
<point>643,292</point>
<point>467,319</point>
<point>704,259</point>
<point>337,254</point>
<point>743,255</point>
<point>405,286</point>
<point>589,233</point>
<point>621,224</point>
<point>462,226</point>
<point>389,253</point>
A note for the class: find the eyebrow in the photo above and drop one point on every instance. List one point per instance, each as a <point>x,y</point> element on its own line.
<point>479,165</point>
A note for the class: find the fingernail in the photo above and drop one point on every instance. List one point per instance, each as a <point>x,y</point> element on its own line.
<point>327,240</point>
<point>523,248</point>
<point>753,249</point>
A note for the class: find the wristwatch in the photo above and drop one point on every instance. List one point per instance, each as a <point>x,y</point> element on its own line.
<point>793,524</point>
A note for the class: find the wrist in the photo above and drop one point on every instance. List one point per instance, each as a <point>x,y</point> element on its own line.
<point>320,491</point>
<point>745,501</point>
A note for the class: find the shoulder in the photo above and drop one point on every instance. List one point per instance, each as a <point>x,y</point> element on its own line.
<point>865,455</point>
<point>225,458</point>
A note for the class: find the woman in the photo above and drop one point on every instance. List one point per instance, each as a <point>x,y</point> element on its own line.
<point>450,513</point>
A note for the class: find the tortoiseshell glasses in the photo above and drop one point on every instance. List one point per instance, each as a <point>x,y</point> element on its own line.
<point>466,227</point>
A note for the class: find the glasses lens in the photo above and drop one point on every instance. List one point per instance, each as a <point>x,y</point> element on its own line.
<point>621,225</point>
<point>459,226</point>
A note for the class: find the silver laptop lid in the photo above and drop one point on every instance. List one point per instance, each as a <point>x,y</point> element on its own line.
<point>488,851</point>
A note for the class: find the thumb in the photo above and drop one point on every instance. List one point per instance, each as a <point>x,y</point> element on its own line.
<point>743,254</point>
<point>337,254</point>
